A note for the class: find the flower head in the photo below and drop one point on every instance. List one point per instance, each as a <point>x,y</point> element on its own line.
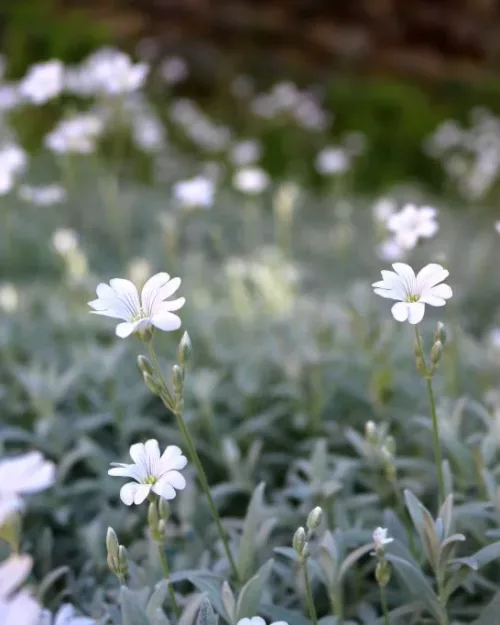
<point>332,160</point>
<point>151,472</point>
<point>413,292</point>
<point>120,300</point>
<point>197,192</point>
<point>43,82</point>
<point>380,538</point>
<point>29,473</point>
<point>77,135</point>
<point>251,180</point>
<point>412,223</point>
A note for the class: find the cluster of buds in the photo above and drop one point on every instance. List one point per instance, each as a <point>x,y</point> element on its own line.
<point>117,556</point>
<point>428,369</point>
<point>383,568</point>
<point>302,536</point>
<point>158,513</point>
<point>383,448</point>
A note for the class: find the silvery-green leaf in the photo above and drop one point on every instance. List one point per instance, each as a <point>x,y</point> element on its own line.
<point>415,508</point>
<point>431,537</point>
<point>131,608</point>
<point>416,584</point>
<point>49,580</point>
<point>448,546</point>
<point>447,478</point>
<point>490,615</point>
<point>157,598</point>
<point>210,584</point>
<point>446,514</point>
<point>250,595</point>
<point>487,554</point>
<point>191,609</point>
<point>319,461</point>
<point>229,602</point>
<point>206,614</point>
<point>246,551</point>
<point>352,558</point>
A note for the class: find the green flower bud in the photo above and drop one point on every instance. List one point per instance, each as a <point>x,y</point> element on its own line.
<point>177,379</point>
<point>145,365</point>
<point>421,366</point>
<point>299,541</point>
<point>439,334</point>
<point>151,383</point>
<point>184,350</point>
<point>314,518</point>
<point>164,508</point>
<point>122,561</point>
<point>371,433</point>
<point>390,445</point>
<point>383,572</point>
<point>436,351</point>
<point>153,517</point>
<point>112,544</point>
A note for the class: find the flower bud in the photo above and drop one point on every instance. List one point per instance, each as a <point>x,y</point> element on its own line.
<point>112,544</point>
<point>314,518</point>
<point>163,508</point>
<point>390,445</point>
<point>383,572</point>
<point>123,561</point>
<point>184,350</point>
<point>177,379</point>
<point>421,366</point>
<point>299,541</point>
<point>151,383</point>
<point>439,334</point>
<point>145,365</point>
<point>436,351</point>
<point>371,433</point>
<point>153,517</point>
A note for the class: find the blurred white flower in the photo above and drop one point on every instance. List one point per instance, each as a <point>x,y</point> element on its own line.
<point>197,192</point>
<point>148,133</point>
<point>412,223</point>
<point>497,226</point>
<point>9,96</point>
<point>25,474</point>
<point>152,472</point>
<point>383,209</point>
<point>112,72</point>
<point>43,196</point>
<point>258,620</point>
<point>251,180</point>
<point>390,250</point>
<point>413,292</point>
<point>138,270</point>
<point>13,161</point>
<point>494,338</point>
<point>17,608</point>
<point>120,300</point>
<point>77,134</point>
<point>66,615</point>
<point>380,538</point>
<point>8,505</point>
<point>9,297</point>
<point>174,70</point>
<point>332,160</point>
<point>245,152</point>
<point>43,82</point>
<point>64,241</point>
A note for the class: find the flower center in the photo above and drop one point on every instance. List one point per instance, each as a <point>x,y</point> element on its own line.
<point>151,479</point>
<point>139,315</point>
<point>411,299</point>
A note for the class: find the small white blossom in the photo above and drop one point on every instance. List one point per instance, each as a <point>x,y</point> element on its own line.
<point>251,180</point>
<point>25,474</point>
<point>390,250</point>
<point>66,615</point>
<point>380,538</point>
<point>151,472</point>
<point>43,196</point>
<point>174,70</point>
<point>43,82</point>
<point>112,72</point>
<point>9,96</point>
<point>9,297</point>
<point>383,209</point>
<point>120,300</point>
<point>65,241</point>
<point>332,161</point>
<point>197,192</point>
<point>77,134</point>
<point>148,133</point>
<point>413,292</point>
<point>17,608</point>
<point>13,161</point>
<point>245,152</point>
<point>258,620</point>
<point>412,223</point>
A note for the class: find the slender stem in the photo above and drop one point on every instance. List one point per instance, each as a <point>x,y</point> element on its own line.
<point>166,572</point>
<point>435,426</point>
<point>193,454</point>
<point>385,609</point>
<point>309,598</point>
<point>338,605</point>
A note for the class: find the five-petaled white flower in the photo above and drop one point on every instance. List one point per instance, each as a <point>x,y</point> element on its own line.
<point>380,538</point>
<point>152,472</point>
<point>412,223</point>
<point>413,292</point>
<point>120,300</point>
<point>258,620</point>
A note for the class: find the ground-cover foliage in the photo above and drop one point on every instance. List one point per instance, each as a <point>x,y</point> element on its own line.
<point>309,415</point>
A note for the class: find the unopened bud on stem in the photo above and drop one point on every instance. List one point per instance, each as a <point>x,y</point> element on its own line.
<point>184,350</point>
<point>314,518</point>
<point>299,541</point>
<point>436,351</point>
<point>151,383</point>
<point>112,544</point>
<point>145,365</point>
<point>177,379</point>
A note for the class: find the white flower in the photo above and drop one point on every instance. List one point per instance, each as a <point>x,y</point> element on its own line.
<point>29,473</point>
<point>497,226</point>
<point>9,96</point>
<point>414,292</point>
<point>245,152</point>
<point>77,134</point>
<point>332,161</point>
<point>111,72</point>
<point>13,160</point>
<point>383,209</point>
<point>66,615</point>
<point>65,241</point>
<point>174,70</point>
<point>258,620</point>
<point>148,133</point>
<point>152,472</point>
<point>196,192</point>
<point>380,538</point>
<point>16,608</point>
<point>8,505</point>
<point>390,250</point>
<point>251,180</point>
<point>412,223</point>
<point>43,82</point>
<point>9,297</point>
<point>120,300</point>
<point>43,196</point>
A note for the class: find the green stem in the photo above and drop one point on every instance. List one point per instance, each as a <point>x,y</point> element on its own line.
<point>385,609</point>
<point>338,606</point>
<point>193,454</point>
<point>435,426</point>
<point>309,598</point>
<point>166,572</point>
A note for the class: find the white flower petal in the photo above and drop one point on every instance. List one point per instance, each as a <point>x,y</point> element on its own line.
<point>22,609</point>
<point>139,456</point>
<point>408,276</point>
<point>166,321</point>
<point>170,305</point>
<point>175,479</point>
<point>152,451</point>
<point>125,329</point>
<point>128,492</point>
<point>416,312</point>
<point>151,289</point>
<point>430,275</point>
<point>442,290</point>
<point>172,459</point>
<point>244,621</point>
<point>141,493</point>
<point>13,572</point>
<point>164,489</point>
<point>388,293</point>
<point>258,620</point>
<point>400,311</point>
<point>165,291</point>
<point>130,470</point>
<point>127,292</point>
